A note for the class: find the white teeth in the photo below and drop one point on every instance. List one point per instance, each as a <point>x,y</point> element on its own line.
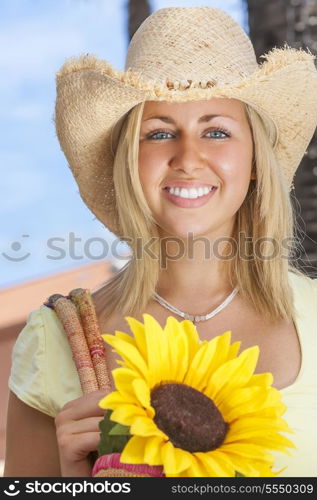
<point>191,193</point>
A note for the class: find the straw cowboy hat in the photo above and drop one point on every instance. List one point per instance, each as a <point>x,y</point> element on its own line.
<point>177,55</point>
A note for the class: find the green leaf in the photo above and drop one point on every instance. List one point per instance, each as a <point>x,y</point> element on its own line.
<point>238,474</point>
<point>110,443</point>
<point>119,430</point>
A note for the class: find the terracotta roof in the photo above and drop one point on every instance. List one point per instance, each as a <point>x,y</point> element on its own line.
<point>18,301</point>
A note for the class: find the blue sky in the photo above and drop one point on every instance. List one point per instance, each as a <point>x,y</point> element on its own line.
<point>39,198</point>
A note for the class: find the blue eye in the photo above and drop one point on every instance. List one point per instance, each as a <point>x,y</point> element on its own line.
<point>157,136</point>
<point>217,134</point>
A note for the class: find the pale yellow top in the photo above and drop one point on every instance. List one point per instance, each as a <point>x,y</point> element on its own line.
<point>44,376</point>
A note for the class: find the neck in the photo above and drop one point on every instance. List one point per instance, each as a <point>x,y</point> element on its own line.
<point>193,282</point>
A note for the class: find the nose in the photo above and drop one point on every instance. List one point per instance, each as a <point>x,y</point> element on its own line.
<point>187,156</point>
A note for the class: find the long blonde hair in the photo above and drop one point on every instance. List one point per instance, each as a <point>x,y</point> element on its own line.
<point>266,213</point>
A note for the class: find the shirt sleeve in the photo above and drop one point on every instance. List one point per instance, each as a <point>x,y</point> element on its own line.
<point>43,374</point>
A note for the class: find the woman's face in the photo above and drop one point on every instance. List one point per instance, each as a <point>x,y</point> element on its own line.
<point>195,147</point>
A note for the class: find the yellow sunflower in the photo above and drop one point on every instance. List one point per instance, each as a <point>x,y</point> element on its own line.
<point>194,407</point>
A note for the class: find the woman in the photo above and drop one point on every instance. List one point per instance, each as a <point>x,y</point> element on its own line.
<point>189,156</point>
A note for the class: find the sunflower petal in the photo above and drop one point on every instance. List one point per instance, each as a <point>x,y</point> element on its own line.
<point>197,368</point>
<point>126,414</point>
<point>248,450</point>
<point>139,334</point>
<point>129,353</point>
<point>197,469</point>
<point>217,465</point>
<point>269,440</point>
<point>232,374</point>
<point>152,452</point>
<point>174,459</point>
<point>247,467</point>
<point>266,471</point>
<point>261,379</point>
<point>154,333</point>
<point>125,336</point>
<point>133,452</point>
<point>272,412</point>
<point>237,398</point>
<point>112,400</point>
<point>223,347</point>
<point>253,468</point>
<point>142,392</point>
<point>272,441</point>
<point>202,365</point>
<point>250,424</point>
<point>144,426</point>
<point>123,379</point>
<point>178,349</point>
<point>248,400</point>
<point>233,350</point>
<point>208,358</point>
<point>192,338</point>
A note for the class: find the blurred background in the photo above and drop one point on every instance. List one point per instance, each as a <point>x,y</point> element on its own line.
<point>49,241</point>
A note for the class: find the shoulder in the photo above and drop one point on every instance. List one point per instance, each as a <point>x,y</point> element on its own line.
<point>43,374</point>
<point>301,283</point>
<point>304,290</point>
<point>42,326</point>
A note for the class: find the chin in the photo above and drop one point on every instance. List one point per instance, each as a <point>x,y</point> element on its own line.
<point>184,230</point>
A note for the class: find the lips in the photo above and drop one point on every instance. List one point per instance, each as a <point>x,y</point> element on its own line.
<point>189,202</point>
<point>187,184</point>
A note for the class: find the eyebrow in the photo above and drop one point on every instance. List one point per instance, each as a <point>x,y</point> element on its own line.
<point>202,119</point>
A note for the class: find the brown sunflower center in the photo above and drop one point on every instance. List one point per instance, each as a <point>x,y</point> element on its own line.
<point>189,418</point>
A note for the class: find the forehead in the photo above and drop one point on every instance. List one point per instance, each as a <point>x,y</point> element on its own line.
<point>218,106</point>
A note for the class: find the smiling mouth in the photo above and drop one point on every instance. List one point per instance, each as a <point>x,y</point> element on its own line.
<point>190,194</point>
<point>187,202</point>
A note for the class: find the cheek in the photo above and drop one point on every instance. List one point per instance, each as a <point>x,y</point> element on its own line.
<point>150,169</point>
<point>236,168</point>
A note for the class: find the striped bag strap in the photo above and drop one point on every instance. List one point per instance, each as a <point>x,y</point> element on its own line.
<point>77,314</point>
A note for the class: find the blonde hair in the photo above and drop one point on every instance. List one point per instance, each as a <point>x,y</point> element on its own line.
<point>265,213</point>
